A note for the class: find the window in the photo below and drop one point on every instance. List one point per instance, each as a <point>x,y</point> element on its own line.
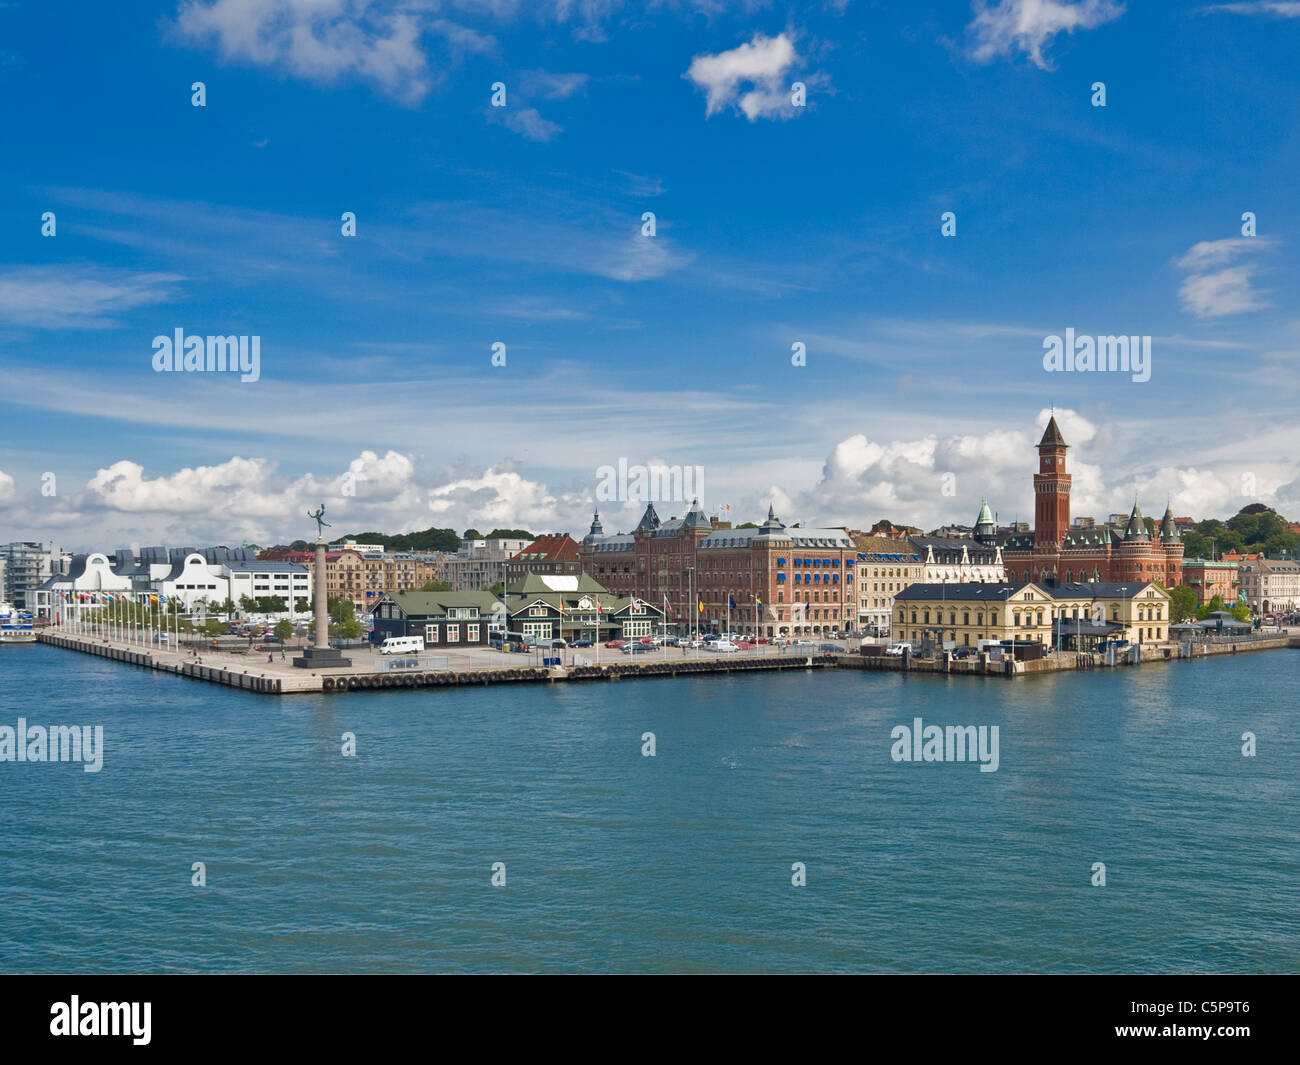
<point>471,633</point>
<point>431,634</point>
<point>453,634</point>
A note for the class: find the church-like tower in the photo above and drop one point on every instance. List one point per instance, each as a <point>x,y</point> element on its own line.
<point>1051,489</point>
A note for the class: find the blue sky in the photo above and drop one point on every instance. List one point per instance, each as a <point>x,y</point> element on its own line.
<point>924,387</point>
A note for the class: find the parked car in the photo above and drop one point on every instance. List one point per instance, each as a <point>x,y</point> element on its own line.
<point>723,646</point>
<point>963,652</point>
<point>896,649</point>
<point>614,643</point>
<point>552,643</point>
<point>638,648</point>
<point>832,649</point>
<point>581,643</point>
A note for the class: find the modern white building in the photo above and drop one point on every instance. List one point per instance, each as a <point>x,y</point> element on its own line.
<point>479,564</point>
<point>89,582</point>
<point>289,581</point>
<point>197,579</point>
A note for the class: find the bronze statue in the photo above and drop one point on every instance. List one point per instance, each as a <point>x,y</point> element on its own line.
<point>321,523</point>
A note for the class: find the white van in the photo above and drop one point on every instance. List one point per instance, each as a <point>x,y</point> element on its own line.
<point>401,645</point>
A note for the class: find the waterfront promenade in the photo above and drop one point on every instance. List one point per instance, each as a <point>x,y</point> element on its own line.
<point>267,672</point>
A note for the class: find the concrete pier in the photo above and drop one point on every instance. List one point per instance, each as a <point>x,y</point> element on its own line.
<point>482,667</point>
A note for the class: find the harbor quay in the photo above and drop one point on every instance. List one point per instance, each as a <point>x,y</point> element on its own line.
<point>483,666</point>
<point>268,673</point>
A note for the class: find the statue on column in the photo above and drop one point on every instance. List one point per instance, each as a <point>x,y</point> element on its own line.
<point>321,523</point>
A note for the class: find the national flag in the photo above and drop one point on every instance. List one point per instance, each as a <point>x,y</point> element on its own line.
<point>731,602</point>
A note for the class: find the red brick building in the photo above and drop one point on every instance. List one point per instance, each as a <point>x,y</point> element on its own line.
<point>551,555</point>
<point>1054,552</point>
<point>771,580</point>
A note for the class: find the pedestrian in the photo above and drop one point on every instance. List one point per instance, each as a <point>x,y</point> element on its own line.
<point>270,658</point>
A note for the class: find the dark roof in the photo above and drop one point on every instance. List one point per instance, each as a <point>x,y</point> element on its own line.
<point>1052,435</point>
<point>649,520</point>
<point>961,592</point>
<point>1098,589</point>
<point>1137,529</point>
<point>436,604</point>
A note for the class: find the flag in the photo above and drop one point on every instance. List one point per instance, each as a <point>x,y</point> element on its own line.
<point>701,606</point>
<point>731,602</point>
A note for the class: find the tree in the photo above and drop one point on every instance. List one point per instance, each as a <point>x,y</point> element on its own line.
<point>472,534</point>
<point>431,539</point>
<point>1182,603</point>
<point>284,628</point>
<point>436,586</point>
<point>1195,545</point>
<point>506,534</point>
<point>497,589</point>
<point>1209,608</point>
<point>747,525</point>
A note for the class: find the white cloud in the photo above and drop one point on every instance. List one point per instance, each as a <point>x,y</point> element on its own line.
<point>321,40</point>
<point>1029,26</point>
<point>762,64</point>
<point>62,297</point>
<point>1211,293</point>
<point>551,86</point>
<point>1280,8</point>
<point>528,123</point>
<point>500,496</point>
<point>6,487</point>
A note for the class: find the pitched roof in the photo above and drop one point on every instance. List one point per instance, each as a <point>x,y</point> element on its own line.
<point>432,604</point>
<point>557,548</point>
<point>1052,435</point>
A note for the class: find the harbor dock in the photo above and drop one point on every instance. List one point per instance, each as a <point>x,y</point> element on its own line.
<point>278,677</point>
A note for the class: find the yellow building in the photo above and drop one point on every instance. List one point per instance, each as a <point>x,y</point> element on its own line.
<point>969,615</point>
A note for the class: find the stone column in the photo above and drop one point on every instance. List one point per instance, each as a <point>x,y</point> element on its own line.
<point>319,592</point>
<point>320,655</point>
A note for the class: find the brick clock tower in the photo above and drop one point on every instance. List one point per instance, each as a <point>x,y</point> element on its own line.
<point>1051,490</point>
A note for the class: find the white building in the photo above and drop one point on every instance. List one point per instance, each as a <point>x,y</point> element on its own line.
<point>90,581</point>
<point>198,580</point>
<point>1270,585</point>
<point>289,581</point>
